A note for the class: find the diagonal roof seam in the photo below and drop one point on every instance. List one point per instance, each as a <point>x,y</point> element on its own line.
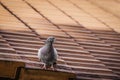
<point>91,15</point>
<point>21,20</point>
<point>105,11</point>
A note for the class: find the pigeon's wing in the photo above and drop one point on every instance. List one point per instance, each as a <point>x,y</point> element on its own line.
<point>39,53</point>
<point>55,53</point>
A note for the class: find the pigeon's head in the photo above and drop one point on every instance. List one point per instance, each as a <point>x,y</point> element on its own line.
<point>50,40</point>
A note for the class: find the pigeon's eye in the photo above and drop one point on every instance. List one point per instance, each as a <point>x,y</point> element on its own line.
<point>49,40</point>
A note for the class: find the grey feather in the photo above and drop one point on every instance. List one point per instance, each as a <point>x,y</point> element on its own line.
<point>48,54</point>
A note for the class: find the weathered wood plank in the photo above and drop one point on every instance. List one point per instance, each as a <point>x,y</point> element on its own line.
<point>8,69</point>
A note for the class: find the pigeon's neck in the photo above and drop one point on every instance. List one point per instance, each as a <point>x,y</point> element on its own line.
<point>49,46</point>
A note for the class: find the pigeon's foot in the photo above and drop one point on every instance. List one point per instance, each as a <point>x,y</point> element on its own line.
<point>46,67</point>
<point>49,67</point>
<point>53,67</point>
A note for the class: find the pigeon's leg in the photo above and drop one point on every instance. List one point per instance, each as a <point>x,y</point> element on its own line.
<point>54,66</point>
<point>48,66</point>
<point>44,66</point>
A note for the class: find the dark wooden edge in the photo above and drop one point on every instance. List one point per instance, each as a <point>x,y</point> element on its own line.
<point>21,67</point>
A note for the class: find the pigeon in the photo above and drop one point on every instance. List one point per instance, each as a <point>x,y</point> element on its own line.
<point>48,54</point>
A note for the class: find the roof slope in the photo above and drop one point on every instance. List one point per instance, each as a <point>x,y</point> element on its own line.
<point>86,31</point>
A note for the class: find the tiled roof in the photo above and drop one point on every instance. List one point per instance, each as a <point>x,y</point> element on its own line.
<point>87,35</point>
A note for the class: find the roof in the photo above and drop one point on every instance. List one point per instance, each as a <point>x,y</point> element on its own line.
<point>87,34</point>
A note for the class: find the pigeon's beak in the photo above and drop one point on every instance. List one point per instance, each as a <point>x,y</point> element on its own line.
<point>52,40</point>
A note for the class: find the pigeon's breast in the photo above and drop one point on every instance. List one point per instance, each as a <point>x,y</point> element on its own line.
<point>48,55</point>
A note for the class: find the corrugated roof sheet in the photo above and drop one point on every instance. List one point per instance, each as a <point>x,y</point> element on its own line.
<point>86,31</point>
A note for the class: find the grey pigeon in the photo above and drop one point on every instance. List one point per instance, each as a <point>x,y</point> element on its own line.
<point>48,54</point>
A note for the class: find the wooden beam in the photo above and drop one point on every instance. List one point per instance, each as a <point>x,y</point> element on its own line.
<point>39,74</point>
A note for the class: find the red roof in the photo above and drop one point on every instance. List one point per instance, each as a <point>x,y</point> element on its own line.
<point>86,31</point>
